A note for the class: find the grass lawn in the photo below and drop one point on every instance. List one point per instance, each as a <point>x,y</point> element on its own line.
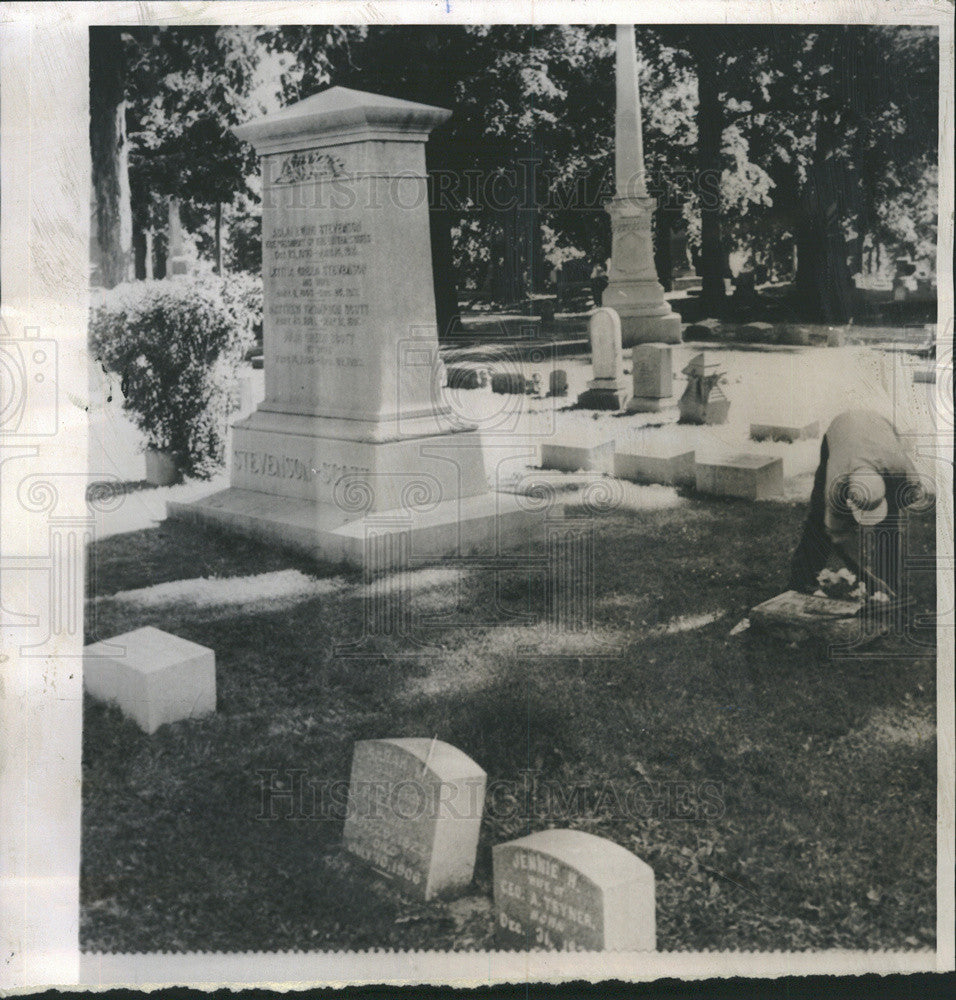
<point>790,797</point>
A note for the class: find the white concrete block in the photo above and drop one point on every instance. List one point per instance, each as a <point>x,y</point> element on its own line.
<point>160,678</point>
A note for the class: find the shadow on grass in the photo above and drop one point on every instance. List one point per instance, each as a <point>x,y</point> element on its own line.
<point>744,771</point>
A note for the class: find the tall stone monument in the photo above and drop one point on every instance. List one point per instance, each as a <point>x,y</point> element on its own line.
<point>633,289</point>
<point>353,439</point>
<point>177,263</point>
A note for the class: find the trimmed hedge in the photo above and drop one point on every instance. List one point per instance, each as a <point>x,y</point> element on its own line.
<point>177,346</point>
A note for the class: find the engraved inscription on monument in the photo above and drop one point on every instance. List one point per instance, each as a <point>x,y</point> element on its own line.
<point>316,303</point>
<point>414,813</point>
<point>565,890</point>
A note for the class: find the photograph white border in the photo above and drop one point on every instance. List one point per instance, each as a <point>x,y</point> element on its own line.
<point>44,253</point>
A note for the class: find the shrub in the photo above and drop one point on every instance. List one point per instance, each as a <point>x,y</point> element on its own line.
<point>177,346</point>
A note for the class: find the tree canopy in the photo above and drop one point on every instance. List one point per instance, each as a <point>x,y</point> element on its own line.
<point>768,143</point>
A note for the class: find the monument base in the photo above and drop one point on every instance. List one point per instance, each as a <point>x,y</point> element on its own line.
<point>605,394</point>
<point>639,329</point>
<point>485,524</point>
<point>650,404</point>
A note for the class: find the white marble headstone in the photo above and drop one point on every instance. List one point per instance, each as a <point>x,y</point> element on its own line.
<point>605,331</point>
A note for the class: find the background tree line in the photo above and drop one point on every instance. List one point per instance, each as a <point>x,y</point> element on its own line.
<point>808,152</point>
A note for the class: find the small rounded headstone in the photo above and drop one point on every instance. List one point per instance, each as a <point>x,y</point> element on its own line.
<point>566,890</point>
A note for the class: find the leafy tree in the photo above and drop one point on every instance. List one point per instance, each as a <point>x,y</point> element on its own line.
<point>109,151</point>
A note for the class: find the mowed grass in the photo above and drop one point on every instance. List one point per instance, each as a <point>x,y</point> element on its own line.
<point>785,799</point>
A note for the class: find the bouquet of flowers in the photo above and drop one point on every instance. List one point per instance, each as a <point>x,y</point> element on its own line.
<point>842,585</point>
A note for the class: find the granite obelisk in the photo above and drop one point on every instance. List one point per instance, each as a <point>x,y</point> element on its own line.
<point>633,289</point>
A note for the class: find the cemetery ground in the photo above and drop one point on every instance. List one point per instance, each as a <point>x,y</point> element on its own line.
<point>786,799</point>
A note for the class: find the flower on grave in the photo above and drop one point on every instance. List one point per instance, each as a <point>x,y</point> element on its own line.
<point>841,585</point>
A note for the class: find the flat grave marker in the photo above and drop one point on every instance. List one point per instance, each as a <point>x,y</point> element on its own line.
<point>785,432</point>
<point>753,477</point>
<point>572,455</point>
<point>669,467</point>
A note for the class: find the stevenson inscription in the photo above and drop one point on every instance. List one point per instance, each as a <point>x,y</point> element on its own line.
<point>316,299</point>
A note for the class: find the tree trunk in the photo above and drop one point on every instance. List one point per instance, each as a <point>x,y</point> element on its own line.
<point>219,238</point>
<point>823,283</point>
<point>110,154</point>
<point>662,248</point>
<point>443,272</point>
<point>710,129</point>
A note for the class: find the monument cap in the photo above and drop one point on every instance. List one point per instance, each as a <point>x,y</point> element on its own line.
<point>341,112</point>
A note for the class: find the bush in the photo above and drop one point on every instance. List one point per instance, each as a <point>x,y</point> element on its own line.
<point>177,346</point>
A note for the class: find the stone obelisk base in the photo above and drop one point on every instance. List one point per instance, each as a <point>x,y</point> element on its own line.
<point>633,290</point>
<point>605,394</point>
<point>650,404</point>
<point>641,329</point>
<point>297,482</point>
<point>388,540</point>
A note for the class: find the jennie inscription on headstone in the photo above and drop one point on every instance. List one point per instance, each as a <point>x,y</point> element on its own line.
<point>565,890</point>
<point>414,813</point>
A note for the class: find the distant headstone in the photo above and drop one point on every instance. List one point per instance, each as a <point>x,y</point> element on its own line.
<point>608,390</point>
<point>785,432</point>
<point>414,813</point>
<point>797,336</point>
<point>836,336</point>
<point>152,676</point>
<point>703,401</point>
<point>558,383</point>
<point>508,383</point>
<point>705,329</point>
<point>463,378</point>
<point>667,466</point>
<point>756,333</point>
<point>566,890</point>
<point>605,332</point>
<point>653,377</point>
<point>591,455</point>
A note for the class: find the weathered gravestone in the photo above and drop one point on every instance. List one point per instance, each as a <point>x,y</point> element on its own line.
<point>566,890</point>
<point>153,677</point>
<point>353,438</point>
<point>703,401</point>
<point>608,390</point>
<point>508,383</point>
<point>414,812</point>
<point>558,383</point>
<point>653,377</point>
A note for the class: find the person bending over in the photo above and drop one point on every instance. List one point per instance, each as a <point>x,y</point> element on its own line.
<point>863,484</point>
